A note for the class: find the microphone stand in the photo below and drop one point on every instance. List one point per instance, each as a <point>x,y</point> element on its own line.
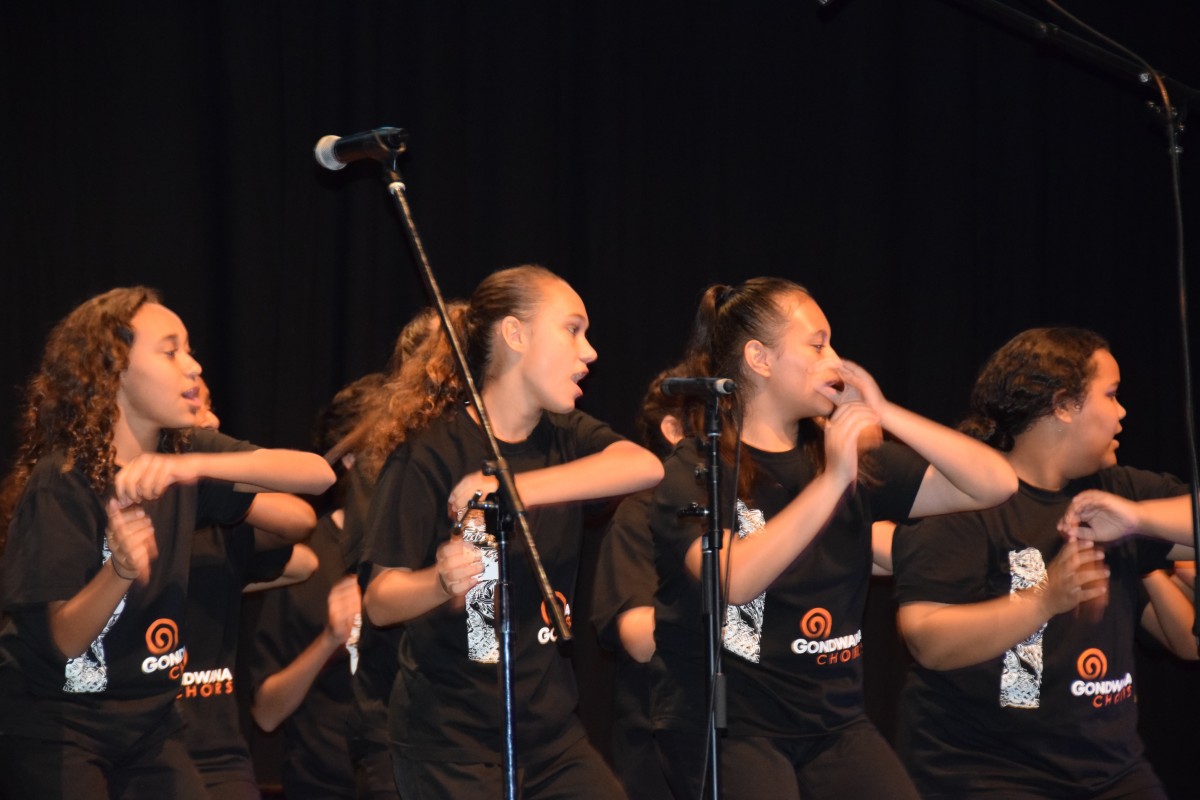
<point>712,605</point>
<point>1131,65</point>
<point>496,466</point>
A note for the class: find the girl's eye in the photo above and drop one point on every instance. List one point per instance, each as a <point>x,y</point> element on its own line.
<point>170,353</point>
<point>818,347</point>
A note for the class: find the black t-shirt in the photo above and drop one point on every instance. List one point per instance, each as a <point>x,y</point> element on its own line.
<point>224,560</point>
<point>1056,713</point>
<point>316,735</point>
<point>793,655</point>
<point>127,679</point>
<point>445,704</point>
<point>625,576</point>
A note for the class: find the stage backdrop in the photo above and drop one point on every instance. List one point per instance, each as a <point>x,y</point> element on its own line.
<point>938,180</point>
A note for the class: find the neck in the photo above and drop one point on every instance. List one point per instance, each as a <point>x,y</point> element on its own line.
<point>130,443</point>
<point>1037,459</point>
<point>767,431</point>
<point>511,421</point>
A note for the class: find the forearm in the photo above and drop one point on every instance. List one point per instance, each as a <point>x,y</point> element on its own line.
<point>946,637</point>
<point>282,693</point>
<point>967,474</point>
<point>1169,519</point>
<point>280,519</point>
<point>274,470</point>
<point>76,623</point>
<point>398,595</point>
<point>1170,615</point>
<point>759,558</point>
<point>621,468</point>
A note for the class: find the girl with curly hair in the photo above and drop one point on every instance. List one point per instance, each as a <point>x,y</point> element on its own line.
<point>1022,630</point>
<point>109,485</point>
<point>525,336</point>
<point>814,475</point>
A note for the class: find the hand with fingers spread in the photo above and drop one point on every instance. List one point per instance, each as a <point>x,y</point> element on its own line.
<point>1077,576</point>
<point>344,604</point>
<point>844,430</point>
<point>131,542</point>
<point>1099,516</point>
<point>149,475</point>
<point>474,485</point>
<point>857,384</point>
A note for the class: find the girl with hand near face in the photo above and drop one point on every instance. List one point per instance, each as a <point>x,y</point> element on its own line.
<point>109,485</point>
<point>1021,628</point>
<point>527,347</point>
<point>812,476</point>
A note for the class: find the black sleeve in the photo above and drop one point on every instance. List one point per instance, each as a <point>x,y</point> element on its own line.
<point>408,516</point>
<point>55,541</point>
<point>1138,485</point>
<point>897,472</point>
<point>941,559</point>
<point>679,489</point>
<point>625,575</point>
<point>219,504</point>
<point>591,434</point>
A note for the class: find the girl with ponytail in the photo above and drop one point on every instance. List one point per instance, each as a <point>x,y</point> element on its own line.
<point>525,336</point>
<point>812,476</point>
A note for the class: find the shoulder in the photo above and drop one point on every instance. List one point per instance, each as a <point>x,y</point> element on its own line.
<point>1136,484</point>
<point>579,426</point>
<point>48,478</point>
<point>202,440</point>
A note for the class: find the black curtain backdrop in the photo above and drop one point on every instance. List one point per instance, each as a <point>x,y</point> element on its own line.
<point>939,182</point>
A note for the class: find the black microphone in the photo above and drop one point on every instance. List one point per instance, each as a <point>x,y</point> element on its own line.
<point>697,387</point>
<point>335,152</point>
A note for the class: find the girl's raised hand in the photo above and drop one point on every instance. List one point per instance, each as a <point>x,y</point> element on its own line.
<point>131,542</point>
<point>149,475</point>
<point>857,384</point>
<point>1099,516</point>
<point>844,429</point>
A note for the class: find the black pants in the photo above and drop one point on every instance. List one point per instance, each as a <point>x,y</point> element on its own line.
<point>159,768</point>
<point>854,761</point>
<point>577,773</point>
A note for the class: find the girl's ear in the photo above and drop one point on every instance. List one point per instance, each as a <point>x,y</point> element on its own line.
<point>1065,408</point>
<point>514,334</point>
<point>757,357</point>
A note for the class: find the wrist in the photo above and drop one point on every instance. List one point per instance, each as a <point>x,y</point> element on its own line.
<point>441,581</point>
<point>112,561</point>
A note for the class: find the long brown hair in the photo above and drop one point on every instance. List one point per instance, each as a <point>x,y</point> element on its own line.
<point>70,404</point>
<point>426,384</point>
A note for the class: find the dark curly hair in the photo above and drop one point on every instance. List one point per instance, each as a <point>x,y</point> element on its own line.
<point>1034,373</point>
<point>70,404</point>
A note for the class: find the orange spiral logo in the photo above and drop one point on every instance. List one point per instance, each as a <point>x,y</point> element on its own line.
<point>816,624</point>
<point>162,636</point>
<point>562,600</point>
<point>1092,664</point>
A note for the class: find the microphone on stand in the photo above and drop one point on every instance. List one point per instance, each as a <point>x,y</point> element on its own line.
<point>335,152</point>
<point>697,387</point>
